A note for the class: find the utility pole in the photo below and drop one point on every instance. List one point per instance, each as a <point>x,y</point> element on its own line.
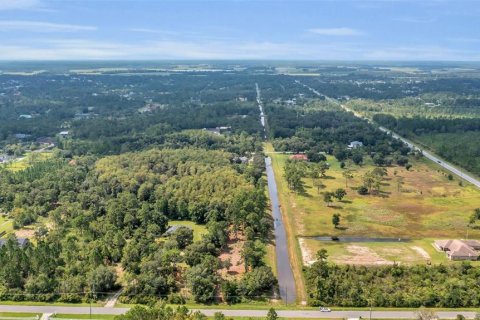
<point>286,296</point>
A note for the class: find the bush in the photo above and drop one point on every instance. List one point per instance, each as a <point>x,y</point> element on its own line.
<point>102,279</point>
<point>257,282</point>
<point>362,190</point>
<point>175,298</point>
<point>183,236</point>
<point>230,292</point>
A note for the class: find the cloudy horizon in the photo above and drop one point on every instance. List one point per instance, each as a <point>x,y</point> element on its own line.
<point>225,30</point>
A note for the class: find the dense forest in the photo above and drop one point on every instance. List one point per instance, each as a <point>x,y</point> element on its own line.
<point>453,139</point>
<point>113,213</point>
<point>315,129</point>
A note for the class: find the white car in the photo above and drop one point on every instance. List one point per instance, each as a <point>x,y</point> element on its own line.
<point>323,309</point>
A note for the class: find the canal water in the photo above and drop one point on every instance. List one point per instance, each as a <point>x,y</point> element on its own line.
<point>286,281</point>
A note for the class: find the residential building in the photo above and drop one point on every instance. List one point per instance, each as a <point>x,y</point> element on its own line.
<point>355,144</point>
<point>459,249</point>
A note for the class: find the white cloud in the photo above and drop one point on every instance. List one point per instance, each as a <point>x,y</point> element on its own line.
<point>421,53</point>
<point>39,26</point>
<point>19,4</point>
<point>148,30</point>
<point>79,49</point>
<point>84,49</point>
<point>338,32</point>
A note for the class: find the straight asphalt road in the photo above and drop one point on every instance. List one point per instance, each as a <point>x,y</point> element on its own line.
<point>307,314</point>
<point>463,175</point>
<point>434,158</point>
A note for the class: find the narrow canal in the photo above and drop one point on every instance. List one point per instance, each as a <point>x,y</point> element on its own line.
<point>286,281</point>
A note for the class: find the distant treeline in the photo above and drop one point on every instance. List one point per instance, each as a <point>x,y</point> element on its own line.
<point>454,139</point>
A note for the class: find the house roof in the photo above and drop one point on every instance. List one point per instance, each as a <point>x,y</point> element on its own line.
<point>22,242</point>
<point>173,229</point>
<point>356,143</point>
<point>472,243</point>
<point>459,248</point>
<point>299,157</point>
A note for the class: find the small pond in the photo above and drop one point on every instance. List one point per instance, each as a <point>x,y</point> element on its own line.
<point>359,239</point>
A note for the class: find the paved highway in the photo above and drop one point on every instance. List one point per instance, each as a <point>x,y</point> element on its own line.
<point>439,161</point>
<point>308,314</point>
<point>428,155</point>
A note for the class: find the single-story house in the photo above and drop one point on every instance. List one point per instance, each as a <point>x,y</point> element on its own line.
<point>22,135</point>
<point>46,140</point>
<point>218,130</point>
<point>22,242</point>
<point>171,229</point>
<point>64,133</point>
<point>243,160</point>
<point>355,144</point>
<point>300,157</point>
<point>459,249</point>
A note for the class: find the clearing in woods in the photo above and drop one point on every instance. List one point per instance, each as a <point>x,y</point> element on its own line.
<point>420,204</point>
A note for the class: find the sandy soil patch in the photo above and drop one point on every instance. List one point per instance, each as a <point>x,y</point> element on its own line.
<point>421,252</point>
<point>307,255</point>
<point>25,233</point>
<point>233,252</point>
<point>361,256</point>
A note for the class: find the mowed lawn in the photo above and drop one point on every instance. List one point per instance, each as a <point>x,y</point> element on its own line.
<point>6,225</point>
<point>421,204</point>
<point>198,229</point>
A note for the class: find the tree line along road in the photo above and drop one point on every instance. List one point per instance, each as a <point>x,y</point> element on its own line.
<point>307,314</point>
<point>461,173</point>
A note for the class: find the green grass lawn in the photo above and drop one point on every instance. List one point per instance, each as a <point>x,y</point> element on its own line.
<point>60,304</point>
<point>6,225</point>
<point>28,159</point>
<point>198,230</point>
<point>13,315</point>
<point>84,316</point>
<point>420,204</point>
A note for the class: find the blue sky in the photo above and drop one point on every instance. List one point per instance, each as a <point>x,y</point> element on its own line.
<point>240,29</point>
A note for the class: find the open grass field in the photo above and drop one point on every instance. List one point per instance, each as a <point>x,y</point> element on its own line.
<point>6,225</point>
<point>27,160</point>
<point>84,316</point>
<point>198,230</point>
<point>420,204</point>
<point>18,315</point>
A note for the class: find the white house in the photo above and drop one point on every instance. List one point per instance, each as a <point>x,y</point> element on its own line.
<point>355,144</point>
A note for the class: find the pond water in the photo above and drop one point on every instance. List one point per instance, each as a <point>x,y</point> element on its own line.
<point>359,239</point>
